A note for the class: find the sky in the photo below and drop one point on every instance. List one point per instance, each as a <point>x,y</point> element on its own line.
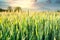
<point>32,4</point>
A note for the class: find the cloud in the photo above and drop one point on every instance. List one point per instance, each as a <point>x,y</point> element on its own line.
<point>57,1</point>
<point>29,3</point>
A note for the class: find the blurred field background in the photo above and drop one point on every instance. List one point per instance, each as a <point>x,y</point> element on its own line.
<point>30,25</point>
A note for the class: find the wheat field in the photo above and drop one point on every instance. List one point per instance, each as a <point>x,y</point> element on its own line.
<point>41,25</point>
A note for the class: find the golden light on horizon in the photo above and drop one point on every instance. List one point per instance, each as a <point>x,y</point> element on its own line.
<point>23,3</point>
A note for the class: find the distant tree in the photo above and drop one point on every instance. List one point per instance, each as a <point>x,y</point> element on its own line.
<point>2,10</point>
<point>9,9</point>
<point>58,10</point>
<point>18,9</point>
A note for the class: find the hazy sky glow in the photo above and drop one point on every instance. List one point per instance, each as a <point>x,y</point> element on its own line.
<point>55,4</point>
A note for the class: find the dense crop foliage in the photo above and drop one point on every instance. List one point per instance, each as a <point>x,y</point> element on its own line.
<point>30,26</point>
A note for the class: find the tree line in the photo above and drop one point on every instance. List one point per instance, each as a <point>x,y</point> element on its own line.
<point>10,9</point>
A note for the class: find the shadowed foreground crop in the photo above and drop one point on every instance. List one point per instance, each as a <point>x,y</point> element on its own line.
<point>30,25</point>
